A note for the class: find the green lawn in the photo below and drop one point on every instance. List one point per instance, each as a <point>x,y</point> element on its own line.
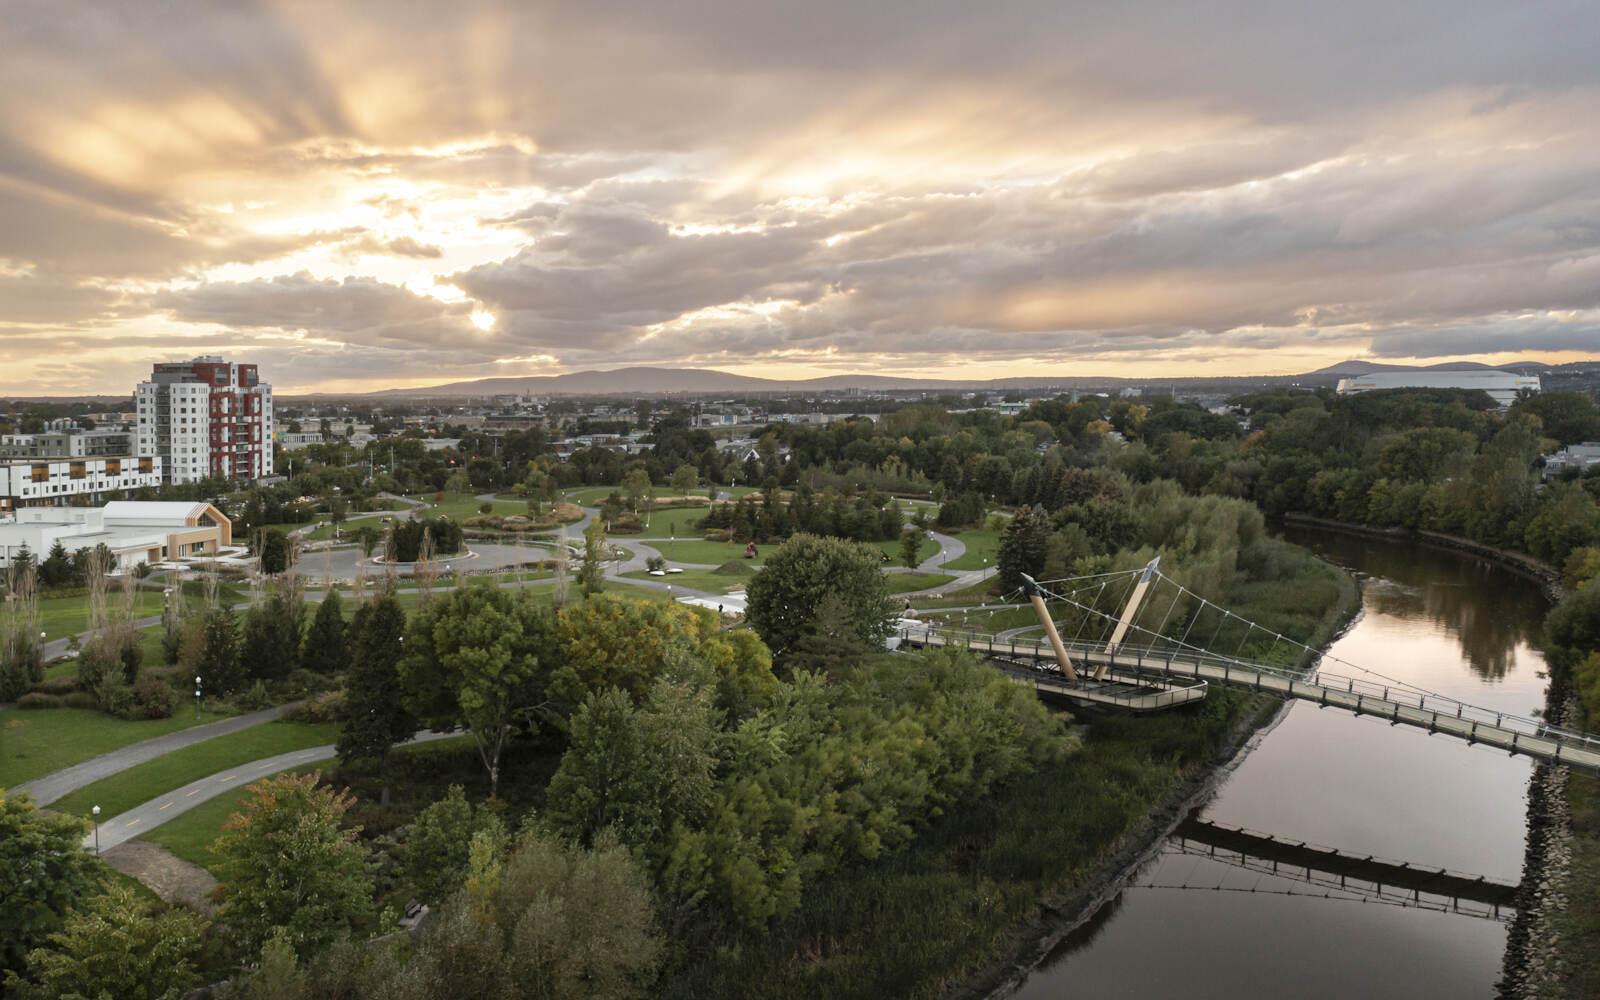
<point>711,553</point>
<point>705,580</point>
<point>677,522</point>
<point>190,834</point>
<point>459,508</point>
<point>900,583</point>
<point>36,742</point>
<point>892,550</point>
<point>590,496</point>
<point>981,543</point>
<point>60,617</point>
<point>144,782</point>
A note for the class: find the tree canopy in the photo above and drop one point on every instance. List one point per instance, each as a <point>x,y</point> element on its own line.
<point>783,599</point>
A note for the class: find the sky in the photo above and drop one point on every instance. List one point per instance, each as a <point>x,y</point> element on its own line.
<point>364,195</point>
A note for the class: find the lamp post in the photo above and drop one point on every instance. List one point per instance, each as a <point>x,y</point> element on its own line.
<point>96,811</point>
<point>197,698</point>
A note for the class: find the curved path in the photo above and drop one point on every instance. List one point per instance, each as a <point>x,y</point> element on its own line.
<point>50,787</point>
<point>148,816</point>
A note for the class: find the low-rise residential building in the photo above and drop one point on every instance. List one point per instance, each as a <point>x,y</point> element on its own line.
<point>56,482</point>
<point>136,532</point>
<point>75,443</point>
<point>1582,457</point>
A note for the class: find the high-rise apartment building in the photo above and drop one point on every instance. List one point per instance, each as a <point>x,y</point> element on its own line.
<point>206,417</point>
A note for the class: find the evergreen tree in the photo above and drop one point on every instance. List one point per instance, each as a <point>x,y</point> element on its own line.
<point>1022,547</point>
<point>271,641</point>
<point>377,717</point>
<point>219,667</point>
<point>56,570</point>
<point>327,648</point>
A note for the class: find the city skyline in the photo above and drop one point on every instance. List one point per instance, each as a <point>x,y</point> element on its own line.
<point>359,197</point>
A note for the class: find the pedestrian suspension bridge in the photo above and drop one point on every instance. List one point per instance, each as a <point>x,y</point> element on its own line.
<point>1166,644</point>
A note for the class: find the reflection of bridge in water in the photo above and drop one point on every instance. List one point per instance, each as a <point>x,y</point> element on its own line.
<point>1339,875</point>
<point>1162,670</point>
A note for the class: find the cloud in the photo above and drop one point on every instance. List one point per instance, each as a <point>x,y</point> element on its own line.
<point>832,184</point>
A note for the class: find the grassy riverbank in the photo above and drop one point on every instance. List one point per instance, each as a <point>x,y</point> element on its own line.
<point>952,913</point>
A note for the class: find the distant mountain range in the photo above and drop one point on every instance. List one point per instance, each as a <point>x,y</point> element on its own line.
<point>704,381</point>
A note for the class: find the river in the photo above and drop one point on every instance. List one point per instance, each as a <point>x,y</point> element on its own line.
<point>1191,926</point>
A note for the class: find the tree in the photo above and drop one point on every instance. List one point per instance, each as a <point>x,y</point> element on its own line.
<point>338,510</point>
<point>56,570</point>
<point>115,947</point>
<point>218,663</point>
<point>637,771</point>
<point>1023,547</point>
<point>287,866</point>
<point>44,872</point>
<point>478,658</point>
<point>326,649</point>
<point>685,478</point>
<point>375,718</point>
<point>274,550</point>
<point>437,851</point>
<point>911,541</point>
<point>783,599</point>
<point>591,575</point>
<point>272,639</point>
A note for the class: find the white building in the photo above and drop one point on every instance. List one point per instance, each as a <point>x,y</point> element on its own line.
<point>67,444</point>
<point>1502,387</point>
<point>1582,457</point>
<point>135,532</point>
<point>55,482</point>
<point>206,417</point>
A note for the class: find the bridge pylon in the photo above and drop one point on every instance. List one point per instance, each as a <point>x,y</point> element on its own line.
<point>1036,596</point>
<point>1128,613</point>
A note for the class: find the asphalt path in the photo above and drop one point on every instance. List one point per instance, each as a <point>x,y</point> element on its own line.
<point>50,787</point>
<point>143,818</point>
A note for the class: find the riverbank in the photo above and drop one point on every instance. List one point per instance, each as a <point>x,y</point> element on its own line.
<point>1069,908</point>
<point>1520,563</point>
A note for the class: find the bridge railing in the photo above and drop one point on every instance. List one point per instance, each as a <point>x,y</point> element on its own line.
<point>1172,660</point>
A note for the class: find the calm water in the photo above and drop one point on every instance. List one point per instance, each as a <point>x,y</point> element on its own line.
<point>1192,926</point>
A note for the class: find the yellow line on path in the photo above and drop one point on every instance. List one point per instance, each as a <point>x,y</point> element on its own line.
<point>193,793</point>
<point>230,777</point>
<point>167,806</point>
<point>131,822</point>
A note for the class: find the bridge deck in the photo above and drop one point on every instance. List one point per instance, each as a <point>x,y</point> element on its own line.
<point>1399,705</point>
<point>1121,690</point>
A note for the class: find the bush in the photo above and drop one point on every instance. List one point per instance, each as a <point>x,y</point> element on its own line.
<point>719,536</point>
<point>38,699</point>
<point>303,683</point>
<point>253,698</point>
<point>156,697</point>
<point>117,698</point>
<point>56,685</point>
<point>81,699</point>
<point>327,706</point>
<point>654,563</point>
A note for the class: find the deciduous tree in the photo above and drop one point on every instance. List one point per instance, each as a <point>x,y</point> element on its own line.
<point>44,872</point>
<point>785,596</point>
<point>115,947</point>
<point>287,865</point>
<point>478,658</point>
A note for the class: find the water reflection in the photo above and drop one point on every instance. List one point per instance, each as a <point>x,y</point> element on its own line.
<point>1198,922</point>
<point>1489,611</point>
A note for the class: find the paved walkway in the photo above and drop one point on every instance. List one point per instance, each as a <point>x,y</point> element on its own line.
<point>50,787</point>
<point>142,818</point>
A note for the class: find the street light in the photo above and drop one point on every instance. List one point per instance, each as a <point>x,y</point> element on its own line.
<point>96,811</point>
<point>197,698</point>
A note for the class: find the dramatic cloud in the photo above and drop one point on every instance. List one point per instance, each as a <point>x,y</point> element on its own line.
<point>355,198</point>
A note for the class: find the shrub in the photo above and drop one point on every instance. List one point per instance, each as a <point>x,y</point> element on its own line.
<point>117,698</point>
<point>81,699</point>
<point>303,683</point>
<point>723,535</point>
<point>253,698</point>
<point>56,685</point>
<point>156,697</point>
<point>654,563</point>
<point>486,508</point>
<point>38,699</point>
<point>327,706</point>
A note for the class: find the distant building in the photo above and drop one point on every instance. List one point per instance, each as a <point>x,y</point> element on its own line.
<point>1582,457</point>
<point>135,532</point>
<point>67,444</point>
<point>1502,387</point>
<point>56,482</point>
<point>206,418</point>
